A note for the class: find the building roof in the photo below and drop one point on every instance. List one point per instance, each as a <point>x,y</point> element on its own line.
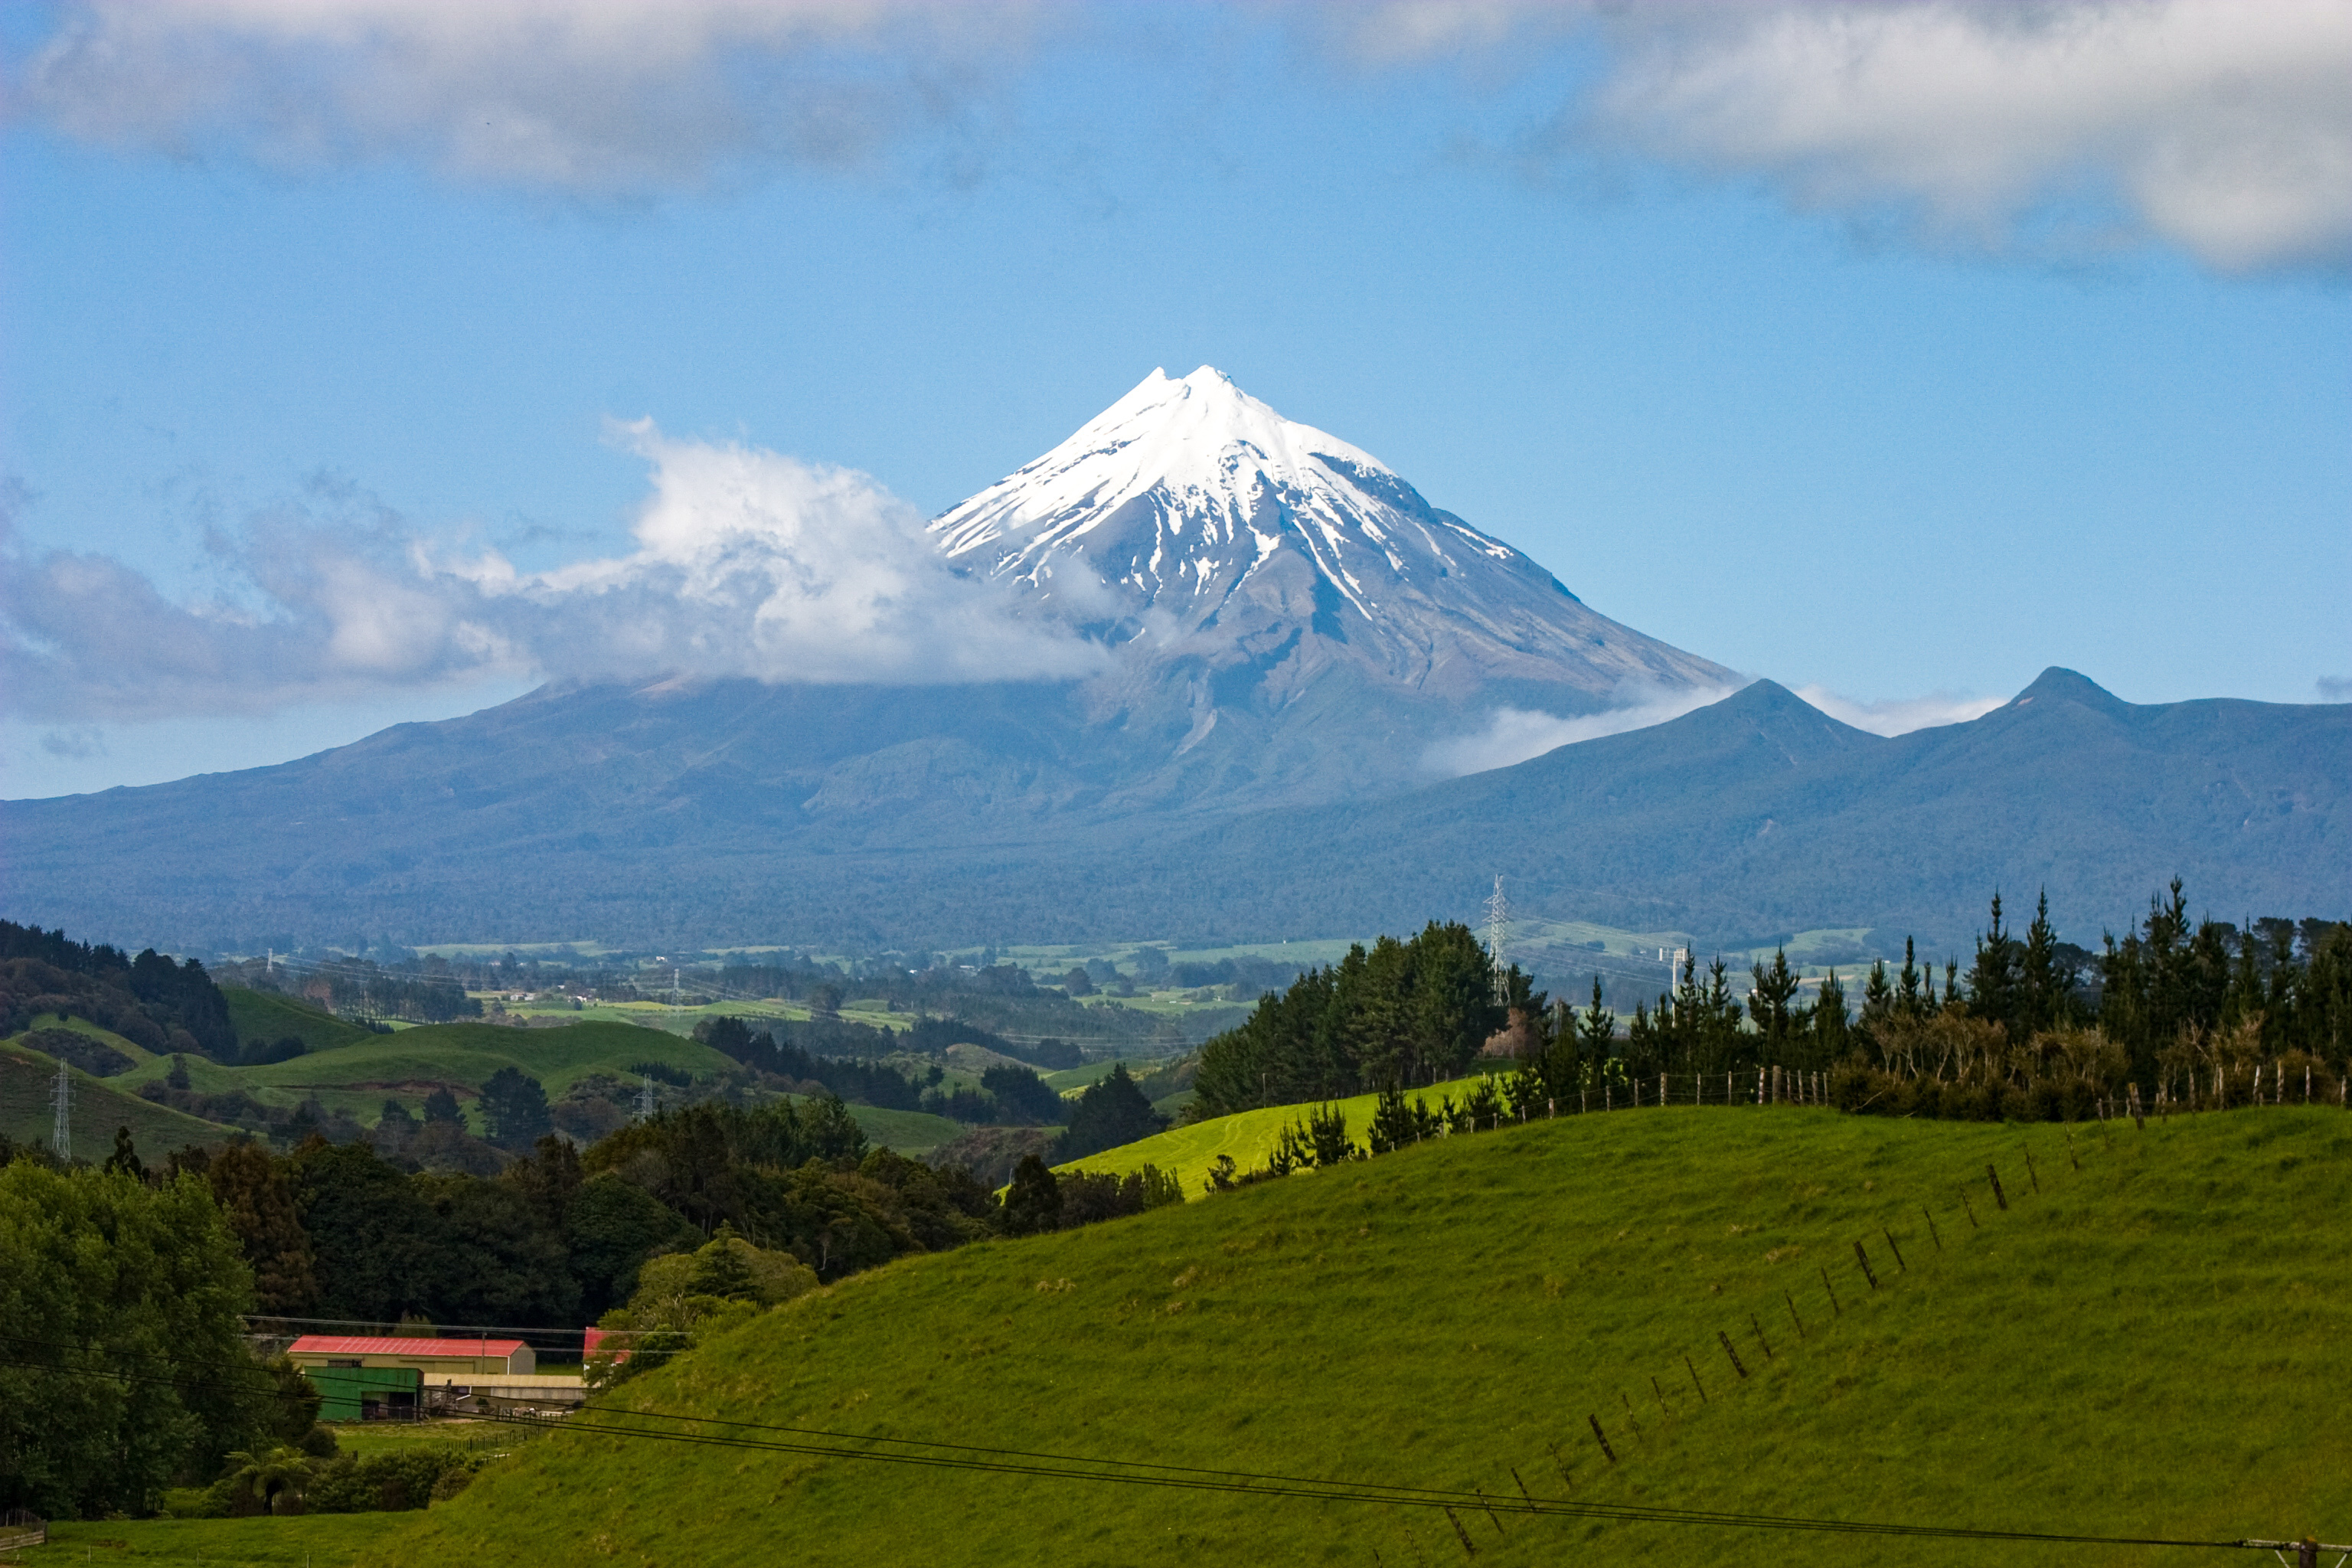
<point>402,1345</point>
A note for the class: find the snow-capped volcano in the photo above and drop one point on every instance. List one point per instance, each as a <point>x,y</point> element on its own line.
<point>1228,534</point>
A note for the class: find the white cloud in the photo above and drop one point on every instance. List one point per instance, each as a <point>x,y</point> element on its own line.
<point>747,563</point>
<point>1514,734</point>
<point>2219,126</point>
<point>1900,715</point>
<point>597,96</point>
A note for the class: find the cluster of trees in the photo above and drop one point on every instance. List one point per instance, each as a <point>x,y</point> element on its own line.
<point>1407,1012</point>
<point>122,1369</point>
<point>122,1366</point>
<point>2194,1010</point>
<point>154,1002</point>
<point>1011,1096</point>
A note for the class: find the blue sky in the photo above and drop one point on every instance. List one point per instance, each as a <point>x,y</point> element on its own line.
<point>1899,377</point>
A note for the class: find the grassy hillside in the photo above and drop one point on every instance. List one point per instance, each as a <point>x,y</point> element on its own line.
<point>261,1016</point>
<point>406,1067</point>
<point>913,1133</point>
<point>2149,1345</point>
<point>99,1106</point>
<point>1249,1136</point>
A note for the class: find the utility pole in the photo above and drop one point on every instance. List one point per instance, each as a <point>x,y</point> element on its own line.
<point>61,1132</point>
<point>1498,936</point>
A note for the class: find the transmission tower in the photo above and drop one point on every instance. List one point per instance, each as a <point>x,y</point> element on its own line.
<point>645,1099</point>
<point>61,1134</point>
<point>1498,936</point>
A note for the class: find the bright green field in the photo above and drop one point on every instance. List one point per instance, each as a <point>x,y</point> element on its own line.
<point>2152,1344</point>
<point>1249,1136</point>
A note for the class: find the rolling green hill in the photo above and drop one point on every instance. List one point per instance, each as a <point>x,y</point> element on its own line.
<point>358,1079</point>
<point>2147,1345</point>
<point>1186,1152</point>
<point>259,1015</point>
<point>99,1106</point>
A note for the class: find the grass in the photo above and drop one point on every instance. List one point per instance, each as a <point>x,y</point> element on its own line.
<point>406,1067</point>
<point>916,1133</point>
<point>366,1440</point>
<point>1187,1151</point>
<point>99,1106</point>
<point>2149,1345</point>
<point>307,1541</point>
<point>264,1017</point>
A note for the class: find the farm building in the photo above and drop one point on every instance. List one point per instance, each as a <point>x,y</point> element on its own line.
<point>510,1357</point>
<point>364,1378</point>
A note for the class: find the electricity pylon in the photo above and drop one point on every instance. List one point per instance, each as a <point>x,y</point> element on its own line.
<point>1498,936</point>
<point>61,1134</point>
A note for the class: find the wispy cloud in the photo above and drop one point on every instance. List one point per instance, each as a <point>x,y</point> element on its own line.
<point>2217,126</point>
<point>747,562</point>
<point>1900,715</point>
<point>2334,689</point>
<point>1514,734</point>
<point>603,97</point>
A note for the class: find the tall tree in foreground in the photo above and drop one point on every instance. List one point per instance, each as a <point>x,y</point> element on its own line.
<point>128,1367</point>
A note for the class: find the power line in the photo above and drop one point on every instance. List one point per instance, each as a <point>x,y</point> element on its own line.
<point>928,1454</point>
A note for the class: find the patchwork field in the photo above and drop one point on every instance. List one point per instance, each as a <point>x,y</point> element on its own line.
<point>2146,1340</point>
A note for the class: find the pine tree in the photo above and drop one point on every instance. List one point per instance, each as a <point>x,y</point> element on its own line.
<point>1993,980</point>
<point>1769,1004</point>
<point>2043,986</point>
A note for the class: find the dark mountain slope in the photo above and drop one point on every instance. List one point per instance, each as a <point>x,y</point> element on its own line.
<point>1758,815</point>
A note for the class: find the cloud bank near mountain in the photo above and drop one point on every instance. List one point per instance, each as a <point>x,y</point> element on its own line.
<point>2213,126</point>
<point>747,563</point>
<point>1513,735</point>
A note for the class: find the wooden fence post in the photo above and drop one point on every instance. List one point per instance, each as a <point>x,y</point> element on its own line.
<point>1932,1235</point>
<point>1863,1258</point>
<point>1602,1438</point>
<point>1994,1176</point>
<point>1725,1339</point>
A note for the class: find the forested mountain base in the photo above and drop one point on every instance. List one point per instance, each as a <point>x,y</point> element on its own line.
<point>1460,1315</point>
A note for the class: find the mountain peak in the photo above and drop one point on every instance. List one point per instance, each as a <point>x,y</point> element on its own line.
<point>1253,571</point>
<point>1196,461</point>
<point>2057,684</point>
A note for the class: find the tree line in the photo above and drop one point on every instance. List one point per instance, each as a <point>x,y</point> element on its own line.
<point>2032,1026</point>
<point>1410,1011</point>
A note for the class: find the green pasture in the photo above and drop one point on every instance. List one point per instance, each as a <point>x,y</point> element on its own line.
<point>264,1017</point>
<point>913,1132</point>
<point>306,1541</point>
<point>100,1105</point>
<point>406,1067</point>
<point>2148,1345</point>
<point>366,1440</point>
<point>1069,1080</point>
<point>1188,1150</point>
